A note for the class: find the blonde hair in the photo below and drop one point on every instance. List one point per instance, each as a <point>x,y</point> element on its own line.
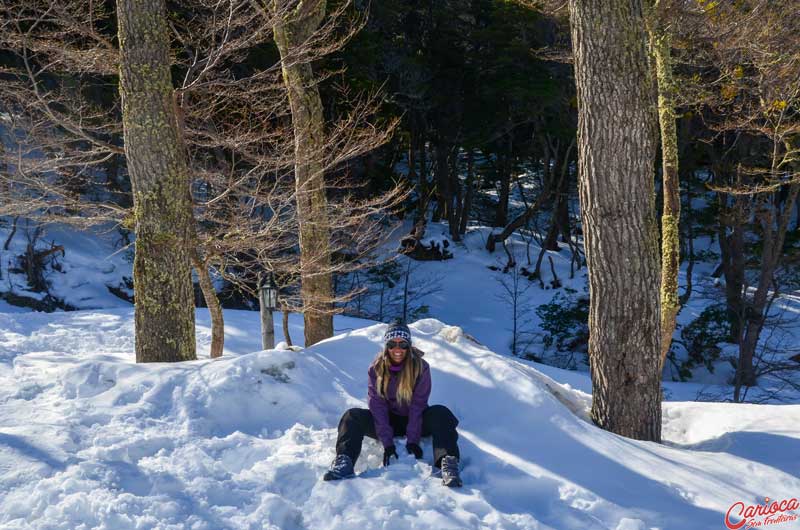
<point>412,366</point>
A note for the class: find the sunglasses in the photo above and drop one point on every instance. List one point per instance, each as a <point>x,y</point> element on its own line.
<point>397,344</point>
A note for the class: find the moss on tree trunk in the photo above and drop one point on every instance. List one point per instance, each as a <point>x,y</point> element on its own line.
<point>670,218</point>
<point>164,314</point>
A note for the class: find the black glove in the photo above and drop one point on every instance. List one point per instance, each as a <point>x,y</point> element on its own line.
<point>388,452</point>
<point>414,449</point>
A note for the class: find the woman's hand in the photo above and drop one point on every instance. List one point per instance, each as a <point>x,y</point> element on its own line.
<point>388,452</point>
<point>414,449</point>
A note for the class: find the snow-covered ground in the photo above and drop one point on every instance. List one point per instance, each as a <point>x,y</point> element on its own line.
<point>89,439</point>
<point>80,275</point>
<point>466,291</point>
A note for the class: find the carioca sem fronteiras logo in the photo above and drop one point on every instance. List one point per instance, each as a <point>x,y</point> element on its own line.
<point>740,516</point>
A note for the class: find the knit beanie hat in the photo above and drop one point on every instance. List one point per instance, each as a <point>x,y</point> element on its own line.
<point>397,330</point>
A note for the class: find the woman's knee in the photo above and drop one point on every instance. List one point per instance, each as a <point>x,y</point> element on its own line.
<point>353,416</point>
<point>442,415</point>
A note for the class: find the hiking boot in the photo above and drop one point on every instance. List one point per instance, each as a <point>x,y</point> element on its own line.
<point>341,467</point>
<point>450,473</point>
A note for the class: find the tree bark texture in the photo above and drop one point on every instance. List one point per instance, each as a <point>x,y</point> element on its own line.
<point>670,217</point>
<point>312,205</point>
<point>164,314</point>
<point>617,130</point>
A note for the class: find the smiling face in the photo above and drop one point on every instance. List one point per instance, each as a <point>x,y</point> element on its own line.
<point>398,349</point>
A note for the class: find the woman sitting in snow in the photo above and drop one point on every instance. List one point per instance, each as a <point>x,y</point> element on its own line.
<point>399,387</point>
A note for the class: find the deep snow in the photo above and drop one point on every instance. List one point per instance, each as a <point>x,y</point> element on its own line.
<point>89,439</point>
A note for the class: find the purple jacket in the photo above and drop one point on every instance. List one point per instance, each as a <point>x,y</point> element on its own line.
<point>381,407</point>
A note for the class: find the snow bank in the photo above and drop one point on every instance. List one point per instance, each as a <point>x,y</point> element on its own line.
<point>89,439</point>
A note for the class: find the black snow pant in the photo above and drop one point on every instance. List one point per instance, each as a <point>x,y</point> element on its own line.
<point>437,421</point>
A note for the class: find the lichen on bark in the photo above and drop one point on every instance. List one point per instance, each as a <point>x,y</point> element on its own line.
<point>162,215</point>
<point>660,45</point>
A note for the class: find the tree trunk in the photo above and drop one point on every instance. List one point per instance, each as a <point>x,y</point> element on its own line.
<point>424,194</point>
<point>689,222</point>
<point>670,217</point>
<point>444,195</point>
<point>504,170</point>
<point>617,130</point>
<point>559,219</point>
<point>774,225</point>
<point>465,209</point>
<point>421,218</point>
<point>560,210</point>
<point>797,220</point>
<point>412,159</point>
<point>731,248</point>
<point>285,324</point>
<point>212,302</point>
<point>316,287</point>
<point>164,313</point>
<point>547,170</point>
<point>551,237</point>
<point>518,222</point>
<point>456,195</point>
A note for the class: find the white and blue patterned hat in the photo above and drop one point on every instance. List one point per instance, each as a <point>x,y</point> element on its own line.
<point>397,330</point>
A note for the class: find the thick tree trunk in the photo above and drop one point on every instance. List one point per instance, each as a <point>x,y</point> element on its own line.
<point>212,303</point>
<point>670,217</point>
<point>617,130</point>
<point>164,314</point>
<point>312,206</point>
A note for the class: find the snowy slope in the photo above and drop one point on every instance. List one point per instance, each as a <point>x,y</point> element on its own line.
<point>89,439</point>
<point>90,263</point>
<point>469,295</point>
